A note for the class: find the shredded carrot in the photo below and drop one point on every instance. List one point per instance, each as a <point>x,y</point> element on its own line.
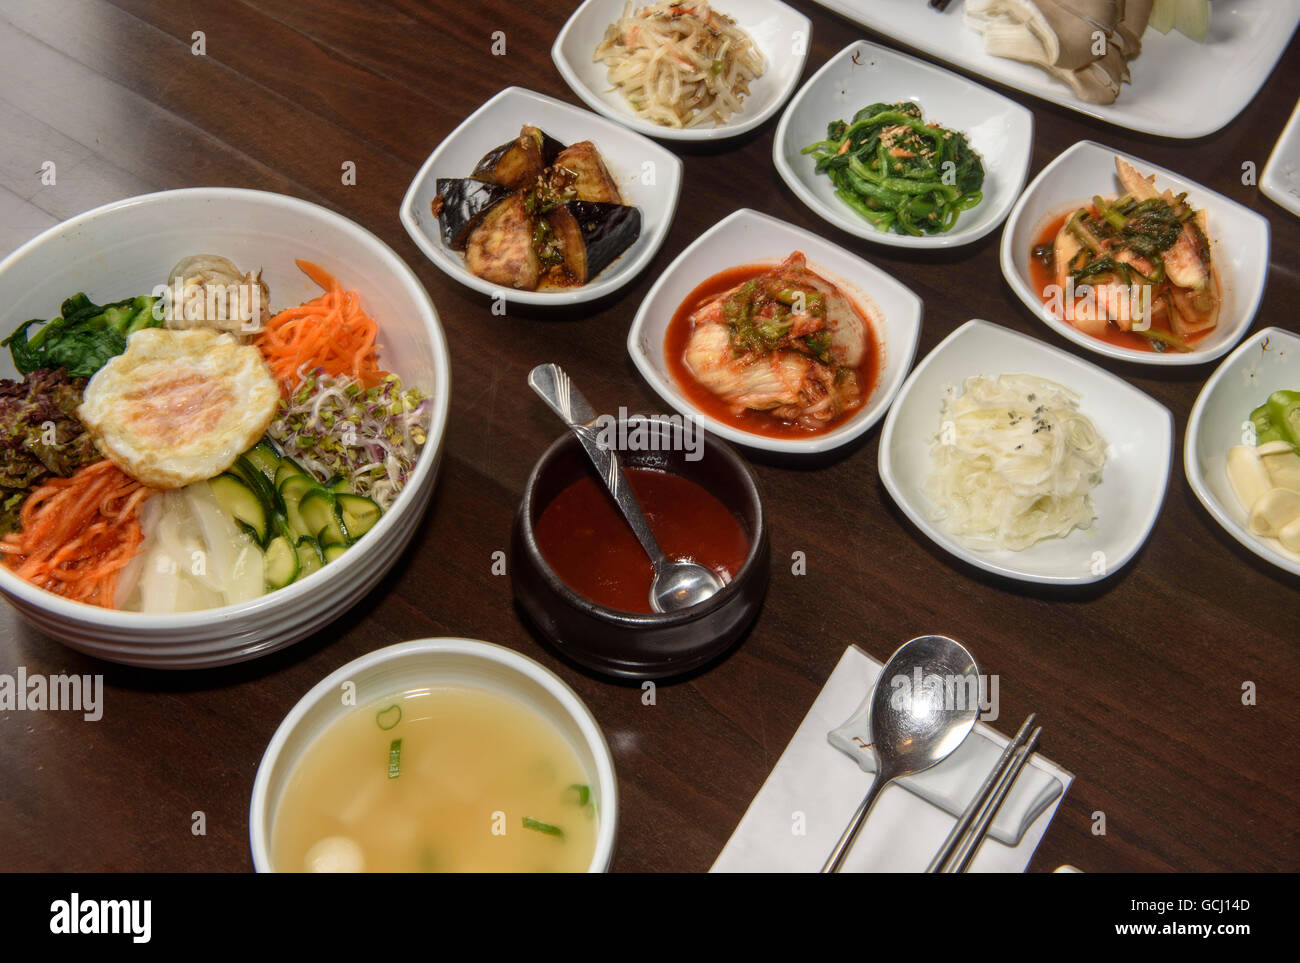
<point>330,332</point>
<point>75,535</point>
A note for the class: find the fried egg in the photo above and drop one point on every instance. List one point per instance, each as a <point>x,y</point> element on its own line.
<point>179,406</point>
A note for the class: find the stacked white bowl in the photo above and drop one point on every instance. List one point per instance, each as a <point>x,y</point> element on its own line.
<point>127,248</point>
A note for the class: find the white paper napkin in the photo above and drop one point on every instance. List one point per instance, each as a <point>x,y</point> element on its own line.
<point>799,813</point>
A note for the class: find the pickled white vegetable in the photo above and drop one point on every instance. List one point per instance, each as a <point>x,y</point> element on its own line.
<point>193,557</point>
<point>1266,481</point>
<point>1247,475</point>
<point>1282,463</point>
<point>1289,536</point>
<point>1273,511</point>
<point>1015,462</point>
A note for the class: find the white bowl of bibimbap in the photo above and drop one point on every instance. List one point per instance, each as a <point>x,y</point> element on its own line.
<point>229,407</point>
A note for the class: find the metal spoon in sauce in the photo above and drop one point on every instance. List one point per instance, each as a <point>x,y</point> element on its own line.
<point>911,733</point>
<point>676,585</point>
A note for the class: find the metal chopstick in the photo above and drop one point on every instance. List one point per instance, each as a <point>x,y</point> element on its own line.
<point>977,804</point>
<point>971,845</point>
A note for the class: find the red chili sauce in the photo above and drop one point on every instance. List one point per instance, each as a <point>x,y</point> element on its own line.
<point>757,422</point>
<point>1042,279</point>
<point>590,547</point>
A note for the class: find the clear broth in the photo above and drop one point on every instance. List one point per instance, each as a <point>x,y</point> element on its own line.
<point>473,765</point>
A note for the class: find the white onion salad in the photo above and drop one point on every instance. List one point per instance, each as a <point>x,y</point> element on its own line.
<point>1015,462</point>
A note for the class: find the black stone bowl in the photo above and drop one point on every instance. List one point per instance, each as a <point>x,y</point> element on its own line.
<point>626,644</point>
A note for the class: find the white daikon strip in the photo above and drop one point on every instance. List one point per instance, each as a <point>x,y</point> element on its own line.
<point>128,582</point>
<point>219,532</point>
<point>194,556</point>
<point>248,575</point>
<point>233,560</point>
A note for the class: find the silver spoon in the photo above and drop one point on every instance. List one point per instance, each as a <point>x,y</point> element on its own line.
<point>676,585</point>
<point>913,730</point>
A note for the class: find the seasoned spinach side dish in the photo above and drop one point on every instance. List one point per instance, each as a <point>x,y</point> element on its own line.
<point>898,172</point>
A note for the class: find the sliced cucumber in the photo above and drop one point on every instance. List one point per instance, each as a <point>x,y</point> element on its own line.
<point>339,485</point>
<point>320,513</point>
<point>310,557</point>
<point>280,563</point>
<point>358,512</point>
<point>240,469</point>
<point>288,468</point>
<point>239,501</point>
<point>332,552</point>
<point>260,484</point>
<point>292,491</point>
<point>264,458</point>
<point>297,486</point>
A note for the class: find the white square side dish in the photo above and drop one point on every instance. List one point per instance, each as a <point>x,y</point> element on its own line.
<point>1268,361</point>
<point>1239,240</point>
<point>1138,431</point>
<point>1000,130</point>
<point>780,32</point>
<point>648,176</point>
<point>1280,180</point>
<point>748,237</point>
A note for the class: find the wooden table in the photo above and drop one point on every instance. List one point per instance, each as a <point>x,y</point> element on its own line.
<point>1137,682</point>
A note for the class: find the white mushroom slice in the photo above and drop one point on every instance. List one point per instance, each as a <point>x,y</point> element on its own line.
<point>1276,509</point>
<point>1247,475</point>
<point>216,294</point>
<point>1074,24</point>
<point>1061,36</point>
<point>205,269</point>
<point>1132,24</point>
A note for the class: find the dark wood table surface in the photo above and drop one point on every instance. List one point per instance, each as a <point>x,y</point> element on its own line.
<point>1137,682</point>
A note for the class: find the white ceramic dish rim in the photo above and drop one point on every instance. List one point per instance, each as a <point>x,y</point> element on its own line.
<point>878,403</point>
<point>730,129</point>
<point>885,467</point>
<point>259,837</point>
<point>1191,464</point>
<point>860,228</point>
<point>608,281</point>
<point>1011,267</point>
<point>1270,181</point>
<point>81,612</point>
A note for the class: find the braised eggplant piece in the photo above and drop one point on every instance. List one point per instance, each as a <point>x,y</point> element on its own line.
<point>461,203</point>
<point>579,169</point>
<point>586,237</point>
<point>536,214</point>
<point>500,249</point>
<point>519,163</point>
